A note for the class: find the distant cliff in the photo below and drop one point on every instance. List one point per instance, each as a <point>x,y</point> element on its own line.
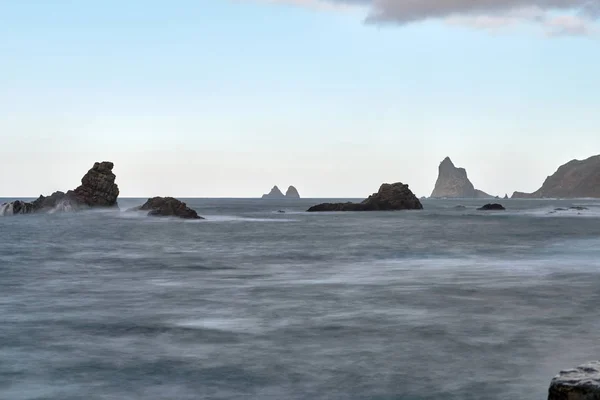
<point>575,179</point>
<point>453,182</point>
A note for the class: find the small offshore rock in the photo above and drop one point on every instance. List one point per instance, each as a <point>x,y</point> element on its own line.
<point>168,207</point>
<point>492,207</point>
<point>581,383</point>
<point>390,197</point>
<point>292,193</point>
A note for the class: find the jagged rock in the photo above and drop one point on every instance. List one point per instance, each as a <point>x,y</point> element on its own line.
<point>452,182</point>
<point>168,207</point>
<point>575,179</point>
<point>97,189</point>
<point>396,196</point>
<point>492,207</point>
<point>506,196</point>
<point>275,193</point>
<point>292,193</point>
<point>581,383</point>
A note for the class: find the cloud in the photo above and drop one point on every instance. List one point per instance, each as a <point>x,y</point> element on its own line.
<point>556,17</point>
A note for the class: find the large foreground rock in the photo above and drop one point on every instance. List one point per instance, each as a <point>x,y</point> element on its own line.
<point>575,179</point>
<point>452,182</point>
<point>168,207</point>
<point>390,197</point>
<point>492,207</point>
<point>581,383</point>
<point>97,189</point>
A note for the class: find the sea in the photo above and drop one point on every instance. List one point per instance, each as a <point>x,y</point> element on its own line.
<point>262,300</point>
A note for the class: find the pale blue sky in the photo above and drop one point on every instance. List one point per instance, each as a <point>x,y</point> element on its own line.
<point>218,98</point>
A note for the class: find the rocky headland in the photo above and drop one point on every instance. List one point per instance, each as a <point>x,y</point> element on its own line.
<point>575,179</point>
<point>390,197</point>
<point>452,182</point>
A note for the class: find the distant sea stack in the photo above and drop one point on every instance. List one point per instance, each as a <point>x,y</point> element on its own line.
<point>574,179</point>
<point>97,189</point>
<point>292,193</point>
<point>275,193</point>
<point>390,197</point>
<point>452,182</point>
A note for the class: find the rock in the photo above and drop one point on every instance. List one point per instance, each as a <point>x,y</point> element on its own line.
<point>396,196</point>
<point>575,179</point>
<point>492,207</point>
<point>506,196</point>
<point>97,189</point>
<point>578,208</point>
<point>581,383</point>
<point>460,207</point>
<point>281,211</point>
<point>292,193</point>
<point>452,182</point>
<point>275,193</point>
<point>168,207</point>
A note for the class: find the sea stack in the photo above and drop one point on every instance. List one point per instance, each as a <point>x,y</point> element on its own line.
<point>581,383</point>
<point>452,182</point>
<point>275,193</point>
<point>390,197</point>
<point>575,179</point>
<point>97,189</point>
<point>292,193</point>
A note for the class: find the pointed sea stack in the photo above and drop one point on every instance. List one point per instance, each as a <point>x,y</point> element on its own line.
<point>275,193</point>
<point>292,193</point>
<point>575,179</point>
<point>390,197</point>
<point>452,182</point>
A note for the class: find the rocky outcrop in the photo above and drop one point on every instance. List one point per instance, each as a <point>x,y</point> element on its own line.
<point>396,196</point>
<point>275,193</point>
<point>292,193</point>
<point>575,179</point>
<point>452,182</point>
<point>581,383</point>
<point>492,207</point>
<point>97,189</point>
<point>167,207</point>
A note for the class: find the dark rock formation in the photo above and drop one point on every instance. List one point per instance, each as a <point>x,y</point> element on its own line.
<point>506,196</point>
<point>575,179</point>
<point>581,383</point>
<point>292,193</point>
<point>167,207</point>
<point>492,207</point>
<point>97,189</point>
<point>275,193</point>
<point>452,182</point>
<point>396,196</point>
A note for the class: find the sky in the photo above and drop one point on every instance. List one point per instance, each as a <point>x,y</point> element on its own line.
<point>226,98</point>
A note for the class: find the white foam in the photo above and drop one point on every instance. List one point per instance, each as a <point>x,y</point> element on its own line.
<point>233,218</point>
<point>6,209</point>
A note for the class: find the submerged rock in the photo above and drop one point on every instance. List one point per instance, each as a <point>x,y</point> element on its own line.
<point>492,207</point>
<point>275,193</point>
<point>167,207</point>
<point>292,193</point>
<point>396,196</point>
<point>581,383</point>
<point>97,189</point>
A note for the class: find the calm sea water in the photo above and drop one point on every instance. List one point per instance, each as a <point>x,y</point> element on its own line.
<point>444,303</point>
